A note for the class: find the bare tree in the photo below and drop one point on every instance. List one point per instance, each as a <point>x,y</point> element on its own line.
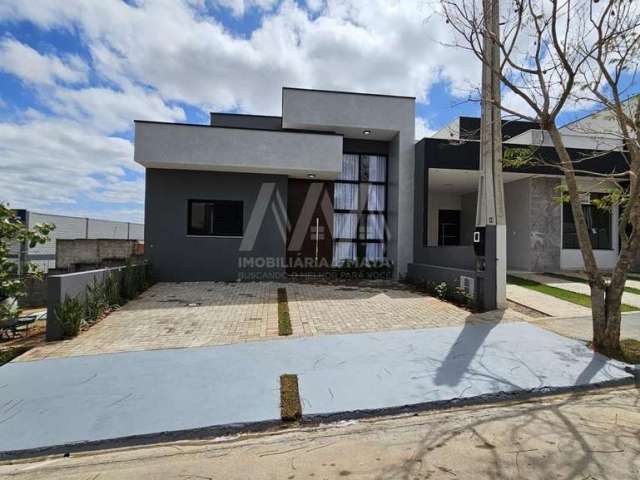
<point>558,56</point>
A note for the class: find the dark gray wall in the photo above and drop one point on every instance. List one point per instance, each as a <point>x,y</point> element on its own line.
<point>175,256</point>
<point>246,121</point>
<point>468,217</point>
<point>369,147</point>
<point>70,285</point>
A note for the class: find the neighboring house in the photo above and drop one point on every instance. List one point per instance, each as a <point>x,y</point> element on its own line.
<point>70,228</point>
<point>338,177</point>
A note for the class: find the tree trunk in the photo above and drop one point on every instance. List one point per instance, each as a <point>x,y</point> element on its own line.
<point>606,314</point>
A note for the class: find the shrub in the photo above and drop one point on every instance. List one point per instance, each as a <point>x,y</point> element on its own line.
<point>96,302</point>
<point>112,290</point>
<point>70,314</point>
<point>454,294</point>
<point>131,281</point>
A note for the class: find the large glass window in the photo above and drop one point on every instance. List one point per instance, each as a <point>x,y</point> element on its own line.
<point>215,218</point>
<point>360,209</point>
<point>598,225</point>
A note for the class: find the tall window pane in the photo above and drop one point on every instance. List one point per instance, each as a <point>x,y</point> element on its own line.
<point>373,168</point>
<point>375,252</point>
<point>375,227</point>
<point>343,251</point>
<point>345,196</point>
<point>349,167</point>
<point>375,198</point>
<point>344,225</point>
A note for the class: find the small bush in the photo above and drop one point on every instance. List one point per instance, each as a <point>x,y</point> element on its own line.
<point>112,290</point>
<point>96,302</point>
<point>132,281</point>
<point>70,314</point>
<point>453,294</point>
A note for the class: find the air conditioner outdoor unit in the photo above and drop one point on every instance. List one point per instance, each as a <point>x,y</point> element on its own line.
<point>467,284</point>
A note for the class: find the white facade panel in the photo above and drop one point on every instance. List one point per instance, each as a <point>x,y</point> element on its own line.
<point>107,229</point>
<point>197,147</point>
<point>66,227</point>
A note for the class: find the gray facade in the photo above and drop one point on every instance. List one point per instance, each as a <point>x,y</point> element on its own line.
<point>179,257</point>
<point>235,156</point>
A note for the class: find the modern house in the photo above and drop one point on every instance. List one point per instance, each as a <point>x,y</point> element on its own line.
<point>339,178</point>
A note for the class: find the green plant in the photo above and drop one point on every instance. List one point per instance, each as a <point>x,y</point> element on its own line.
<point>112,290</point>
<point>441,289</point>
<point>132,281</point>
<point>12,274</point>
<point>96,302</point>
<point>456,294</point>
<point>70,314</point>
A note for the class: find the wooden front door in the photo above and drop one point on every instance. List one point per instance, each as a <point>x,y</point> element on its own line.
<point>310,212</point>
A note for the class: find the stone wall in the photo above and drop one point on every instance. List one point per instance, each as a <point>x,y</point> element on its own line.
<point>73,253</point>
<point>545,224</point>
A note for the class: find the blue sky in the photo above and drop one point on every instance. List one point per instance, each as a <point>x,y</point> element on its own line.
<point>74,74</point>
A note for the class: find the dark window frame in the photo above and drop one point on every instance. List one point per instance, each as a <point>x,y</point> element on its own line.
<point>458,235</point>
<point>362,213</point>
<point>574,245</point>
<point>211,229</point>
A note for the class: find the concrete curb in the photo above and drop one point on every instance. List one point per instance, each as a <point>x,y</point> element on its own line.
<point>207,433</point>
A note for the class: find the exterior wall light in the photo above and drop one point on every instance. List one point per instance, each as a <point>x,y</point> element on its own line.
<point>366,132</point>
<point>311,175</point>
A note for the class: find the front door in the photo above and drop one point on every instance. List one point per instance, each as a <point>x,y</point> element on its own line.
<point>310,213</point>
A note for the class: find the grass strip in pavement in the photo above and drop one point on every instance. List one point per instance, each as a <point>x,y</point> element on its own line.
<point>560,293</point>
<point>9,354</point>
<point>284,321</point>
<point>571,278</point>
<point>290,407</point>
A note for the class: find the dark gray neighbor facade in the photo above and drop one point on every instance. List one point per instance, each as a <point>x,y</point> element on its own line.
<point>338,179</point>
<point>540,231</point>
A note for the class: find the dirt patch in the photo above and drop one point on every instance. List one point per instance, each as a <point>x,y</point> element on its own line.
<point>530,312</point>
<point>290,407</point>
<point>284,320</point>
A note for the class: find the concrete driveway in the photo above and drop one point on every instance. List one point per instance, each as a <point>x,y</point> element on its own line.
<point>178,315</point>
<point>144,396</point>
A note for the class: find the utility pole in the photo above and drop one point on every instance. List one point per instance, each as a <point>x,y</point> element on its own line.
<point>490,237</point>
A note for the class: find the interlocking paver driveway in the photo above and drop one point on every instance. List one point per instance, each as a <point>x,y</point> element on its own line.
<point>177,315</point>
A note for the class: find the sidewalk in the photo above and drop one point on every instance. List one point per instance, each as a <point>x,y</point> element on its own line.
<point>552,306</point>
<point>581,328</point>
<point>156,395</point>
<point>578,287</point>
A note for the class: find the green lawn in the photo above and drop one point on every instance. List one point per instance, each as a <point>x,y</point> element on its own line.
<point>571,278</point>
<point>562,294</point>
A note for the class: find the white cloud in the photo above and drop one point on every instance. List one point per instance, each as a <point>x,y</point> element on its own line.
<point>115,190</point>
<point>33,67</point>
<point>364,45</point>
<point>55,161</point>
<point>108,111</point>
<point>239,7</point>
<point>423,129</point>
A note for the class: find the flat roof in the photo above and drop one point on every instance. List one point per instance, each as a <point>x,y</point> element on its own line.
<point>348,93</point>
<point>206,125</point>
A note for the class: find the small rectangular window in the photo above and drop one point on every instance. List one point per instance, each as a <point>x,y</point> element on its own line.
<point>599,225</point>
<point>222,218</point>
<point>448,228</point>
